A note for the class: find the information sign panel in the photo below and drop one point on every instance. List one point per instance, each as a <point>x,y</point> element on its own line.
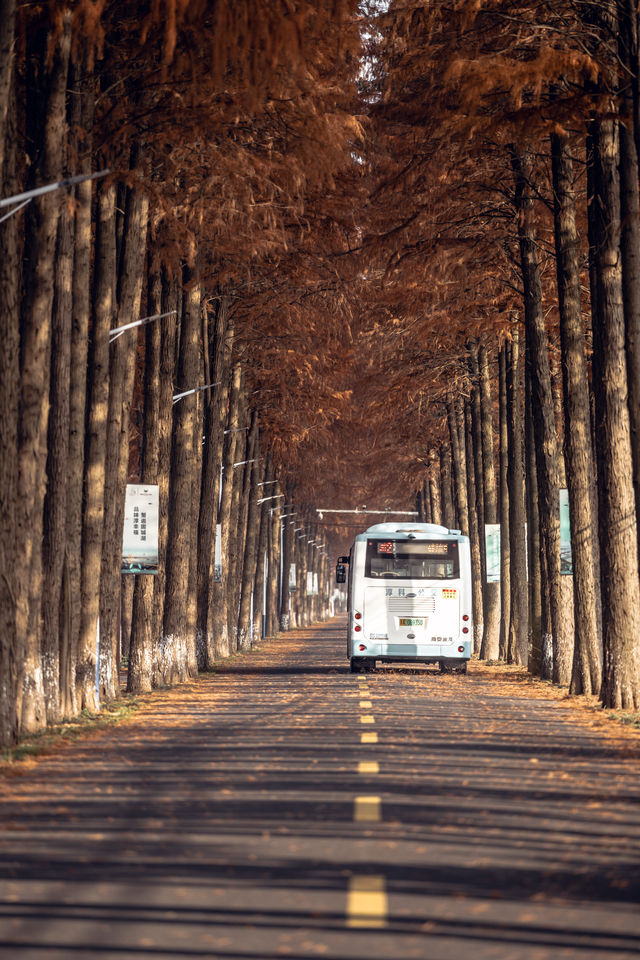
<point>140,530</point>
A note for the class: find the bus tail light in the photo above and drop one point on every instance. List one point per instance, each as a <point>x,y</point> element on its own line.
<point>357,628</point>
<point>357,616</point>
<point>465,629</point>
<point>362,647</point>
<point>460,649</point>
<point>465,617</point>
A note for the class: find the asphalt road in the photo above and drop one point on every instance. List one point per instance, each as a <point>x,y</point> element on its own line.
<point>285,808</point>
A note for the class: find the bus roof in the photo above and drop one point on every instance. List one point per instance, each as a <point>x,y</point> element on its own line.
<point>420,529</point>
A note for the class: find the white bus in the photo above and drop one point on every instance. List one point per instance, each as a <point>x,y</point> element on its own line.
<point>409,596</point>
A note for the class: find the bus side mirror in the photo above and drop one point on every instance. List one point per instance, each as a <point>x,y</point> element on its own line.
<point>341,573</point>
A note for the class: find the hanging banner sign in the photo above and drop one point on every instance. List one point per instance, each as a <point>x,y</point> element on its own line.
<point>292,578</point>
<point>566,559</point>
<point>492,546</point>
<point>140,531</point>
<point>309,583</point>
<point>217,557</point>
<point>315,585</point>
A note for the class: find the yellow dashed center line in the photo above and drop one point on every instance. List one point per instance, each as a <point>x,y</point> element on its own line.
<point>367,902</point>
<point>367,718</point>
<point>367,809</point>
<point>369,737</point>
<point>365,704</point>
<point>368,766</point>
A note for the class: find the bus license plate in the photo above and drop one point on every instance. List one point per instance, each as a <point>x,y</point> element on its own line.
<point>412,621</point>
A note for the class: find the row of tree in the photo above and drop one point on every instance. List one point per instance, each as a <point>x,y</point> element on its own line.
<point>206,134</point>
<point>508,138</point>
<point>418,264</point>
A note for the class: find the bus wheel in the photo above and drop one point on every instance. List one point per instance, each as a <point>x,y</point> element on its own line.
<point>462,668</point>
<point>356,665</point>
<point>370,666</point>
<point>444,667</point>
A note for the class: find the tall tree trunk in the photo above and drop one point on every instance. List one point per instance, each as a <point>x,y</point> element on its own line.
<point>505,537</point>
<point>259,606</point>
<point>11,645</point>
<point>542,403</point>
<point>618,540</point>
<point>517,647</point>
<point>98,404</point>
<point>7,26</point>
<point>140,666</point>
<point>236,531</point>
<point>163,666</point>
<point>434,487</point>
<point>81,124</point>
<point>215,416</point>
<point>245,637</point>
<point>474,535</point>
<point>426,501</point>
<point>459,473</point>
<point>587,660</point>
<point>448,516</point>
<point>476,427</point>
<point>273,584</point>
<point>121,377</point>
<point>491,639</point>
<point>287,549</point>
<point>181,482</point>
<point>630,222</point>
<point>46,133</point>
<point>192,589</point>
<point>55,510</point>
<point>220,623</point>
<point>534,545</point>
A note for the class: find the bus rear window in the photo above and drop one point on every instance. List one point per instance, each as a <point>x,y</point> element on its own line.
<point>412,560</point>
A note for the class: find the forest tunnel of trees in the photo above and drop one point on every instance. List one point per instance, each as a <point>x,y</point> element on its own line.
<point>360,253</point>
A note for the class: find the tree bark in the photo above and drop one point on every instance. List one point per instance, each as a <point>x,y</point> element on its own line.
<point>517,647</point>
<point>7,27</point>
<point>96,438</point>
<point>259,606</point>
<point>121,377</point>
<point>140,667</point>
<point>534,544</point>
<point>273,577</point>
<point>46,133</point>
<point>491,639</point>
<point>81,119</point>
<point>505,538</point>
<point>245,636</point>
<point>220,618</point>
<point>434,487</point>
<point>587,661</point>
<point>459,473</point>
<point>476,426</point>
<point>55,508</point>
<point>164,668</point>
<point>287,548</point>
<point>474,535</point>
<point>630,222</point>
<point>542,403</point>
<point>448,516</point>
<point>11,649</point>
<point>181,484</point>
<point>618,540</point>
<point>215,416</point>
<point>236,531</point>
<point>191,624</point>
